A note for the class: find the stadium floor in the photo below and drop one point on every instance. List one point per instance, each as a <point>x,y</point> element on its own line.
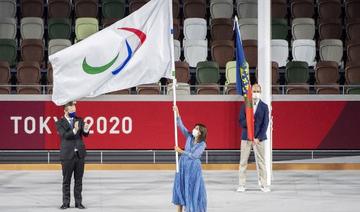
<point>26,191</point>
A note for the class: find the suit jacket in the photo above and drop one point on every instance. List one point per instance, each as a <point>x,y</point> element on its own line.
<point>261,119</point>
<point>69,140</point>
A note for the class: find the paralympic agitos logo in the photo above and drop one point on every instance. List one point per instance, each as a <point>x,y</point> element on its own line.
<point>130,52</point>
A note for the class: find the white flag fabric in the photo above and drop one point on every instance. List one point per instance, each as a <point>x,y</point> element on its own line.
<point>133,51</point>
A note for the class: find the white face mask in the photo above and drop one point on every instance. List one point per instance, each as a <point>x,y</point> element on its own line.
<point>195,133</point>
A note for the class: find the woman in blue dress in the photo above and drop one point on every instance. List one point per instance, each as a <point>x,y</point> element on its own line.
<point>189,187</point>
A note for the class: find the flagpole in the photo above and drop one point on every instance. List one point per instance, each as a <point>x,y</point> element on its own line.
<point>175,124</point>
<point>174,82</point>
<point>264,78</point>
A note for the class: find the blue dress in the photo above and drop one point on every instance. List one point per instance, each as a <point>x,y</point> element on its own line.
<point>189,187</point>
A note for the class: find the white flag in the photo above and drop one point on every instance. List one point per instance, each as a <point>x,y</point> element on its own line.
<point>135,50</point>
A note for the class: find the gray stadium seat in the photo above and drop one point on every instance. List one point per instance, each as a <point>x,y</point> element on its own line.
<point>8,28</point>
<point>331,50</point>
<point>8,8</point>
<point>247,8</point>
<point>32,28</point>
<point>56,45</point>
<point>221,8</point>
<point>248,28</point>
<point>303,28</point>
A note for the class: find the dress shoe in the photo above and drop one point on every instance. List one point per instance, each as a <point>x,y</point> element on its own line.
<point>241,189</point>
<point>79,206</point>
<point>65,206</point>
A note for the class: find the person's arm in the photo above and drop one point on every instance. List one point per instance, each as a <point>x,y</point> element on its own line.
<point>196,154</point>
<point>64,133</point>
<point>180,124</point>
<point>265,124</point>
<point>242,119</point>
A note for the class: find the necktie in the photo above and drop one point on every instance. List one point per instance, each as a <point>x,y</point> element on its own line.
<point>72,123</point>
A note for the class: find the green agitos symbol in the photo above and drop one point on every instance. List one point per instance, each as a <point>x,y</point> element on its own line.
<point>97,70</point>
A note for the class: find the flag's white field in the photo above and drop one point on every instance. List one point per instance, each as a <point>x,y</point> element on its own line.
<point>150,60</point>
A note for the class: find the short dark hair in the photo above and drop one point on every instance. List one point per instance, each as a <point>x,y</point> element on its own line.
<point>203,131</point>
<point>69,104</point>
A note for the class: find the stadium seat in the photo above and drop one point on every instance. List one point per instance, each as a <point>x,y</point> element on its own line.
<point>176,28</point>
<point>177,50</point>
<point>182,72</point>
<point>230,76</point>
<point>84,27</point>
<point>194,8</point>
<point>221,8</point>
<point>353,30</point>
<point>222,29</point>
<point>352,8</point>
<point>195,29</point>
<point>208,89</point>
<point>195,51</point>
<point>7,8</point>
<point>302,8</point>
<point>330,29</point>
<point>278,8</point>
<point>230,72</point>
<point>331,50</point>
<point>56,45</point>
<point>32,8</point>
<point>329,9</point>
<point>8,28</point>
<point>352,76</point>
<point>136,4</point>
<point>176,8</point>
<point>303,28</point>
<point>297,76</point>
<point>222,51</point>
<point>231,89</point>
<point>8,51</point>
<point>149,89</point>
<point>275,78</point>
<point>181,89</point>
<point>279,29</point>
<point>248,28</point>
<point>207,76</point>
<point>86,8</point>
<point>207,72</point>
<point>59,28</point>
<point>28,73</point>
<point>280,52</point>
<point>304,50</point>
<point>120,92</point>
<point>32,90</point>
<point>5,78</point>
<point>251,53</point>
<point>353,53</point>
<point>113,8</point>
<point>247,8</point>
<point>327,73</point>
<point>108,21</point>
<point>59,8</point>
<point>32,28</point>
<point>32,50</point>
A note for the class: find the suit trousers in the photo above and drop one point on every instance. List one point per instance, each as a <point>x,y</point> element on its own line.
<point>246,147</point>
<point>76,166</point>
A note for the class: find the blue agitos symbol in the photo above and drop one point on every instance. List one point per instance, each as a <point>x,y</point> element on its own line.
<point>97,70</point>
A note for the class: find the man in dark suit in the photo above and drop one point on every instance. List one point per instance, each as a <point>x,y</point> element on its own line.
<point>72,153</point>
<point>261,123</point>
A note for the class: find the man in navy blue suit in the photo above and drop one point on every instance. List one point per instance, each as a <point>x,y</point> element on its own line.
<point>261,122</point>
